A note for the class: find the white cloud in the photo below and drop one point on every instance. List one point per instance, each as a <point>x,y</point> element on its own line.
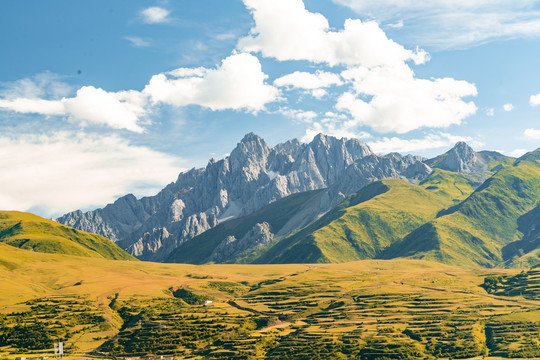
<point>121,110</point>
<point>39,106</point>
<point>391,99</point>
<point>534,100</point>
<point>332,124</point>
<point>508,107</point>
<point>155,15</point>
<point>430,141</point>
<point>300,115</point>
<point>285,30</point>
<point>45,84</point>
<point>238,83</point>
<point>517,152</point>
<point>490,112</point>
<point>386,95</point>
<point>137,41</point>
<point>319,93</point>
<point>397,25</point>
<point>327,129</point>
<point>305,80</point>
<point>314,82</point>
<point>451,24</point>
<point>53,174</point>
<point>532,134</point>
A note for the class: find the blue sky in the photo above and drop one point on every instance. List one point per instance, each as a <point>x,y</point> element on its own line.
<point>99,99</point>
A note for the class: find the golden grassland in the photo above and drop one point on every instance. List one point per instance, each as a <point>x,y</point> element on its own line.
<point>351,310</point>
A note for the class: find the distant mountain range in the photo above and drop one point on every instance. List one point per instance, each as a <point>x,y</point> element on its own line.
<point>334,200</point>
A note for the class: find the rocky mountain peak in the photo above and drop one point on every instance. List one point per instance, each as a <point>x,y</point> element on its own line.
<point>462,147</point>
<point>461,158</point>
<point>252,150</point>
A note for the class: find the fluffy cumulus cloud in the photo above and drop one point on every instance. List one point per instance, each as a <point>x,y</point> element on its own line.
<point>451,24</point>
<point>534,100</point>
<point>285,30</point>
<point>120,110</point>
<point>382,90</point>
<point>532,134</point>
<point>238,83</point>
<point>430,141</point>
<point>53,174</point>
<point>392,99</point>
<point>155,15</point>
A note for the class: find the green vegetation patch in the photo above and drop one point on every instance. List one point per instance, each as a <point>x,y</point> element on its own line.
<point>31,232</point>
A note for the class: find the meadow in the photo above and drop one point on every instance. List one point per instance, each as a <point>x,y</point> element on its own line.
<point>370,309</point>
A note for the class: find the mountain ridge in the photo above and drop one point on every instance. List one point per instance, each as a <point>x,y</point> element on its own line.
<point>252,176</point>
<point>227,211</point>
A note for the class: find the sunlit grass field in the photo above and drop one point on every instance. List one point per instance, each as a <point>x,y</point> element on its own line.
<point>370,309</point>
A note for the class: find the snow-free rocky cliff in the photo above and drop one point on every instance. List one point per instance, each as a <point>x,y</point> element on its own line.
<point>253,176</point>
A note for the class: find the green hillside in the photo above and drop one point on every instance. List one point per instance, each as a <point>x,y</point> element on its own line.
<point>31,232</point>
<point>477,231</point>
<point>370,220</point>
<point>525,251</point>
<point>277,214</point>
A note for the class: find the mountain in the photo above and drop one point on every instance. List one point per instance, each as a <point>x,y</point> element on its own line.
<point>462,158</point>
<point>369,221</point>
<point>232,239</point>
<point>445,217</point>
<point>494,225</point>
<point>251,177</point>
<point>31,232</point>
<point>333,200</point>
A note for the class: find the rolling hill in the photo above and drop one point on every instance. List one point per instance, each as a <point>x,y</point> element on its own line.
<point>370,220</point>
<point>31,232</point>
<point>480,230</point>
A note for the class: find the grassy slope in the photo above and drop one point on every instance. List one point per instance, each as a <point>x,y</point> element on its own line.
<point>343,298</point>
<point>474,232</point>
<point>198,249</point>
<point>526,251</point>
<point>370,220</point>
<point>31,232</point>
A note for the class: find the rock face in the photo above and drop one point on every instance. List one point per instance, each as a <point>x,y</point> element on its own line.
<point>253,176</point>
<point>462,158</point>
<point>231,247</point>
